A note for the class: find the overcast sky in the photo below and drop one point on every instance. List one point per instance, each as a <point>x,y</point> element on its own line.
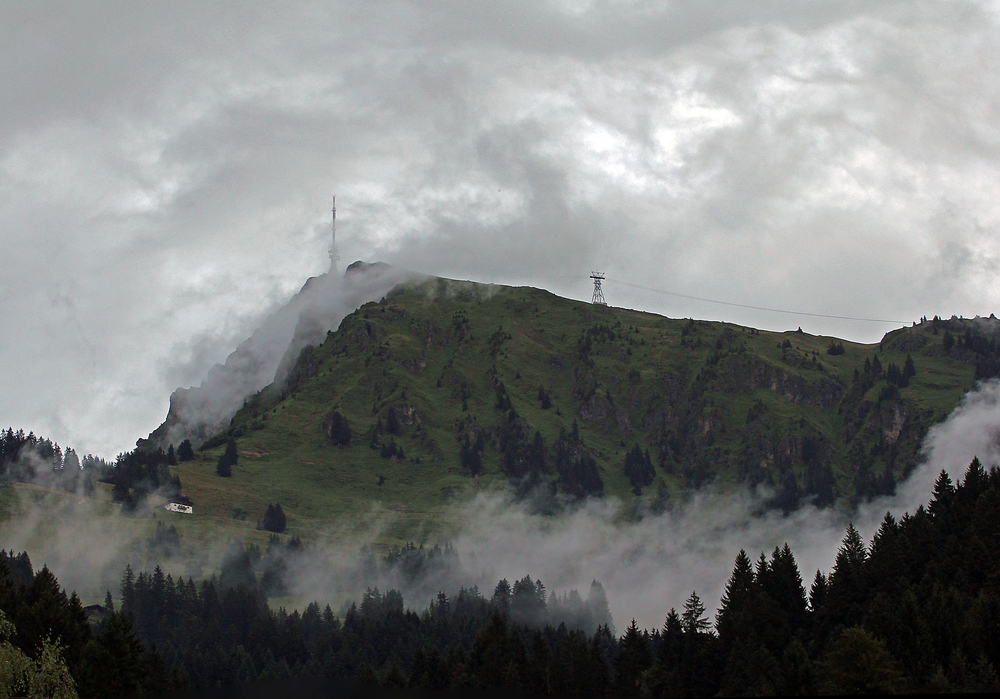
<point>166,170</point>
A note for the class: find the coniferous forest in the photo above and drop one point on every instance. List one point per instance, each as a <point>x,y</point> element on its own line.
<point>917,609</point>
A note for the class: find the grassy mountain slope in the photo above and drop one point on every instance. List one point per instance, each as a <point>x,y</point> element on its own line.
<point>454,361</point>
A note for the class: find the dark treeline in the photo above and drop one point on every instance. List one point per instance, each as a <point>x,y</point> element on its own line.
<point>27,458</point>
<point>133,476</point>
<point>918,609</point>
<point>970,344</point>
<point>140,473</point>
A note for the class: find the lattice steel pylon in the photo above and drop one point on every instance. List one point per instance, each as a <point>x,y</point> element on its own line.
<point>598,299</point>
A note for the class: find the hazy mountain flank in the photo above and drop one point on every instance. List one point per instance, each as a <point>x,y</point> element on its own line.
<point>198,412</point>
<point>443,385</point>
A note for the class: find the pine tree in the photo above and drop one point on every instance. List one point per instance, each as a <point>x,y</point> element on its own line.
<point>339,429</point>
<point>501,596</point>
<point>493,657</point>
<point>544,399</point>
<point>71,462</point>
<point>798,676</point>
<point>734,617</point>
<point>693,619</point>
<point>536,456</point>
<point>666,673</point>
<point>114,661</point>
<point>784,586</point>
<point>876,366</point>
<point>846,589</point>
<point>228,459</point>
<point>274,518</point>
<point>858,663</point>
<point>639,468</point>
<point>943,494</point>
<point>185,452</point>
<point>633,659</point>
<point>884,559</point>
<point>597,605</point>
<point>973,483</point>
<point>392,425</point>
<point>817,593</point>
<point>595,677</point>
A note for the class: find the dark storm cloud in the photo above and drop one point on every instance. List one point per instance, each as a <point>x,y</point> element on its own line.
<point>165,169</point>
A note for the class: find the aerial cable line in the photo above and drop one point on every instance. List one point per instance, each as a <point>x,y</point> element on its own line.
<point>755,308</point>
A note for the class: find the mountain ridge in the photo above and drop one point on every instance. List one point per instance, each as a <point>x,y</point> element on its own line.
<point>442,382</point>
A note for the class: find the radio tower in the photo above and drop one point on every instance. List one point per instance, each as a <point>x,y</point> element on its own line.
<point>598,299</point>
<point>333,242</point>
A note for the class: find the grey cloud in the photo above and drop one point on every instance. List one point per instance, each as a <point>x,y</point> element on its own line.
<point>168,167</point>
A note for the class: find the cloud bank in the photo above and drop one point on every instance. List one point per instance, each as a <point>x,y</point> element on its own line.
<point>165,171</point>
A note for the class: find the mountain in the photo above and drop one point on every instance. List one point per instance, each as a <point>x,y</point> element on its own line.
<point>266,356</point>
<point>443,386</point>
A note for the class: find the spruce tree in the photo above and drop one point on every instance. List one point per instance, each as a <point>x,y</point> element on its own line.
<point>544,399</point>
<point>734,618</point>
<point>339,429</point>
<point>693,619</point>
<point>817,593</point>
<point>943,494</point>
<point>228,459</point>
<point>859,663</point>
<point>633,659</point>
<point>185,452</point>
<point>392,425</point>
<point>846,589</point>
<point>274,518</point>
<point>115,660</point>
<point>784,586</point>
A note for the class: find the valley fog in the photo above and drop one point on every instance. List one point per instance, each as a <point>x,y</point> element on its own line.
<point>647,563</point>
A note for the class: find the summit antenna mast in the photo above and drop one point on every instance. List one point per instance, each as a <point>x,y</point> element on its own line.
<point>333,241</point>
<point>598,299</point>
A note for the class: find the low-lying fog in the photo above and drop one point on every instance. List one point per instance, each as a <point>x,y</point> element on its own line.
<point>646,566</point>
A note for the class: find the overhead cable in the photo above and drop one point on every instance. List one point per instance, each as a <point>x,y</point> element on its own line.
<point>755,308</point>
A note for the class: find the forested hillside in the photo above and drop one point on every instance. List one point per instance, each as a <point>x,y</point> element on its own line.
<point>446,385</point>
<point>133,476</point>
<point>917,610</point>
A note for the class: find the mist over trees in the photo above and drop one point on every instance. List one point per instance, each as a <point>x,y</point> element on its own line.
<point>133,476</point>
<point>918,603</point>
<point>26,458</point>
<point>915,610</point>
